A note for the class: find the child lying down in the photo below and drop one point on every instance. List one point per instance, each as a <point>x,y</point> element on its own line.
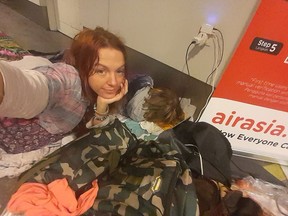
<point>155,108</point>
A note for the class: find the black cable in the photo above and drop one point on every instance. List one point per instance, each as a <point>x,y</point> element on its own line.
<point>186,56</point>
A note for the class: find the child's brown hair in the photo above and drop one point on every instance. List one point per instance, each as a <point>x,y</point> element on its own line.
<point>163,107</point>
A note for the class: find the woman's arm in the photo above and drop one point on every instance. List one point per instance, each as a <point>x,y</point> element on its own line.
<point>24,93</point>
<point>102,107</point>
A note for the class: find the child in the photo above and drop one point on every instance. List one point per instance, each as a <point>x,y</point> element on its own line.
<point>158,105</point>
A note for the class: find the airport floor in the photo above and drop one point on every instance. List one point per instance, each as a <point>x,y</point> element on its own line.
<point>30,32</point>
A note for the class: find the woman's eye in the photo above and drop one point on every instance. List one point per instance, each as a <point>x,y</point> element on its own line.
<point>99,71</point>
<point>121,71</point>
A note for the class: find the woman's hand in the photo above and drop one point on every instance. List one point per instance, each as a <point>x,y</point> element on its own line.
<point>102,103</point>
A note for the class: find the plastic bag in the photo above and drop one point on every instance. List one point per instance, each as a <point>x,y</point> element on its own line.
<point>272,198</point>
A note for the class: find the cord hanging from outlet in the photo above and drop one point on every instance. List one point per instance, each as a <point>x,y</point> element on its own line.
<point>202,36</point>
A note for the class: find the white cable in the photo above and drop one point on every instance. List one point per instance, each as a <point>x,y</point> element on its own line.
<point>215,65</point>
<point>220,49</point>
<point>201,164</point>
<point>200,40</point>
<point>215,69</point>
<point>200,157</point>
<point>186,56</point>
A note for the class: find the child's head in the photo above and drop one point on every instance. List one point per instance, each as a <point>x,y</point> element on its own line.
<point>162,107</point>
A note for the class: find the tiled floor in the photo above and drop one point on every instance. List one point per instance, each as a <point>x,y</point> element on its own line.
<point>30,36</point>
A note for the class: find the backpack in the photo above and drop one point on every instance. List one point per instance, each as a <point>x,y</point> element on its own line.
<point>207,152</point>
<point>204,148</point>
<point>135,177</point>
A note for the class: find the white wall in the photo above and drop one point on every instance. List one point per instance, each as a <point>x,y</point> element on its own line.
<point>39,2</point>
<point>68,16</point>
<point>163,29</point>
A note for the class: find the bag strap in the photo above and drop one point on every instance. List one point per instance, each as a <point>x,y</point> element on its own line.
<point>30,173</point>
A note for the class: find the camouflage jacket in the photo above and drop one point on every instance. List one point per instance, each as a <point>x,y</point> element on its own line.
<point>135,177</point>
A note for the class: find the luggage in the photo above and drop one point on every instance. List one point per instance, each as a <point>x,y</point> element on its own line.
<point>204,148</point>
<point>135,177</point>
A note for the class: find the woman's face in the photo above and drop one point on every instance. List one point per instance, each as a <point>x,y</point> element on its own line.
<point>108,73</point>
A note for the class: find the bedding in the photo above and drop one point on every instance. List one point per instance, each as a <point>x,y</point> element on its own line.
<point>33,142</point>
<point>10,50</point>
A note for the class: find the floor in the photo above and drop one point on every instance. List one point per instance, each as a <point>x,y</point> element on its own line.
<point>31,36</point>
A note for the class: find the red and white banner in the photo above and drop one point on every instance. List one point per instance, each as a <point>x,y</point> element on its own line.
<point>250,103</point>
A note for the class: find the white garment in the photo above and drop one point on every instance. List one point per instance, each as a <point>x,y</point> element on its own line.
<point>134,107</point>
<point>187,108</point>
<point>12,165</point>
<point>26,91</point>
<point>151,127</point>
<point>51,92</point>
<point>30,62</point>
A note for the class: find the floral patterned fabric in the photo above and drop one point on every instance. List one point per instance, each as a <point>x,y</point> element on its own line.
<point>20,135</point>
<point>9,49</point>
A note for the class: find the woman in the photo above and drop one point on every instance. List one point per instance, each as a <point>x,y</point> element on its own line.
<point>49,100</point>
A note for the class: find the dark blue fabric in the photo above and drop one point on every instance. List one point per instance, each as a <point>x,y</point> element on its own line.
<point>139,81</point>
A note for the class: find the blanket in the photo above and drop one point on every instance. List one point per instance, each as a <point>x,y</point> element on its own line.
<point>16,159</point>
<point>10,50</point>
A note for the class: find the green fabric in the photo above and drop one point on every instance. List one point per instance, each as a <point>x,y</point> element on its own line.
<point>9,48</point>
<point>135,177</point>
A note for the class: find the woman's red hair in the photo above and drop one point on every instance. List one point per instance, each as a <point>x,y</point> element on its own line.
<point>84,54</point>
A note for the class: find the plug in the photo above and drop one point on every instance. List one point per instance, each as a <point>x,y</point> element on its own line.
<point>206,28</point>
<point>200,39</point>
<point>202,36</point>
